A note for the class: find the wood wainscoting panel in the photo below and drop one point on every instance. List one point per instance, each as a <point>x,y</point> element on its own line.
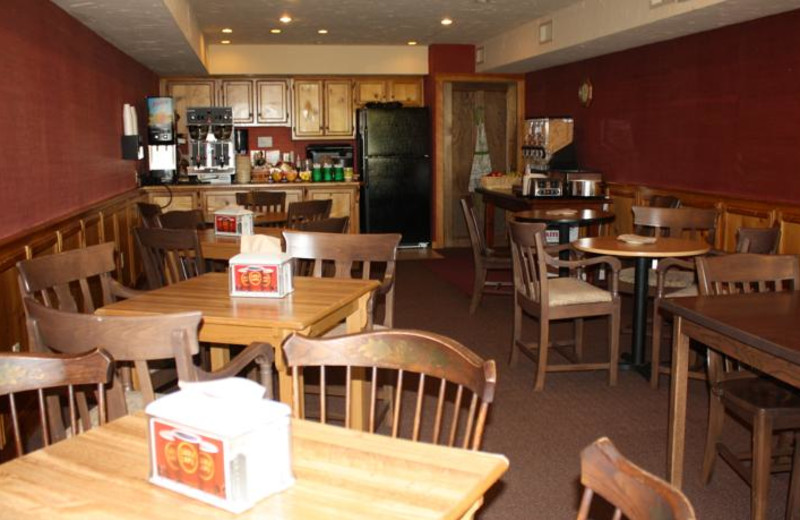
<point>110,220</point>
<point>789,221</point>
<point>623,198</point>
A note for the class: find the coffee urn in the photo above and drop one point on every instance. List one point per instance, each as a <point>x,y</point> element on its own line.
<point>212,156</point>
<point>161,141</point>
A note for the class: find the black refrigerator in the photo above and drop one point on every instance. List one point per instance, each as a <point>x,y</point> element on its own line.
<point>395,166</point>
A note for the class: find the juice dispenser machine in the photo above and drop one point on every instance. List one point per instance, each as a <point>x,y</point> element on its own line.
<point>161,142</point>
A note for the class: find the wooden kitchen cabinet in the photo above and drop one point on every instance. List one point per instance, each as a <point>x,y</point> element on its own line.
<point>173,200</point>
<point>238,94</point>
<point>189,93</point>
<point>407,90</point>
<point>323,108</point>
<point>345,201</point>
<point>272,102</point>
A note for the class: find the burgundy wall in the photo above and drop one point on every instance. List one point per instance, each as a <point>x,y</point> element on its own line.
<point>718,111</point>
<point>62,89</point>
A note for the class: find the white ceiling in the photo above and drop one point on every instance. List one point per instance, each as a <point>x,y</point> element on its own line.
<point>158,33</point>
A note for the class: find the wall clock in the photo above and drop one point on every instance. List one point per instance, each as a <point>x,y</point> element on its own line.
<point>585,93</point>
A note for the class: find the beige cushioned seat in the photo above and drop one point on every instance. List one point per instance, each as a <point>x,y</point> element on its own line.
<point>571,291</point>
<point>675,278</point>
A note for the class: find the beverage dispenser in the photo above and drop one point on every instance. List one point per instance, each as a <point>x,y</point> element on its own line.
<point>212,155</point>
<point>161,142</point>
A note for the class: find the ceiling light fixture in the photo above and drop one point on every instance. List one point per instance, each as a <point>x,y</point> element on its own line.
<point>227,30</point>
<point>447,21</point>
<point>285,18</point>
<point>412,42</point>
<point>275,31</point>
<point>225,42</point>
<point>323,31</point>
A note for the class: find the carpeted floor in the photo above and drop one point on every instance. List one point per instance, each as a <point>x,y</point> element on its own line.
<point>543,433</point>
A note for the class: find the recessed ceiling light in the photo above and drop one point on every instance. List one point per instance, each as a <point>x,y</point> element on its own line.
<point>227,30</point>
<point>275,31</point>
<point>412,42</point>
<point>225,42</point>
<point>285,18</point>
<point>323,31</point>
<point>447,21</point>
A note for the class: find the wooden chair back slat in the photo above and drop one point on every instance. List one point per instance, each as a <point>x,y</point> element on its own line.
<point>678,222</point>
<point>635,493</point>
<point>182,219</point>
<point>267,201</point>
<point>36,372</point>
<point>374,254</point>
<point>307,211</point>
<point>65,280</point>
<point>169,255</point>
<point>404,354</point>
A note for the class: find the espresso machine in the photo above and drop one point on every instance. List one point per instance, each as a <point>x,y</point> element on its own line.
<point>551,166</point>
<point>212,155</point>
<point>161,142</point>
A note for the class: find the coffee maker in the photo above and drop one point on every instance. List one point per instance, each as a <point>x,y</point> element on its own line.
<point>161,142</point>
<point>212,156</point>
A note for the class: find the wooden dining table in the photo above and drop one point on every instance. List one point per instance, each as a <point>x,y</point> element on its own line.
<point>222,247</point>
<point>759,329</point>
<point>340,473</point>
<point>643,254</point>
<point>315,306</point>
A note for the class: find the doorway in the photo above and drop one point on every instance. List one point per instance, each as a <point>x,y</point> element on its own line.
<point>462,103</point>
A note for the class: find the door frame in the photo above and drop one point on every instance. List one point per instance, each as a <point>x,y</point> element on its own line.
<point>442,135</point>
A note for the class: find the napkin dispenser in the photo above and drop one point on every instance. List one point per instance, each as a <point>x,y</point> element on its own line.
<point>260,275</point>
<point>220,442</point>
<point>234,221</point>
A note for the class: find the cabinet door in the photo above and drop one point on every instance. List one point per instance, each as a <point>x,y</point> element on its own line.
<point>238,94</point>
<point>339,108</point>
<point>344,203</point>
<point>369,90</point>
<point>308,108</point>
<point>272,105</point>
<point>190,94</point>
<point>407,91</point>
<point>214,200</point>
<point>174,201</point>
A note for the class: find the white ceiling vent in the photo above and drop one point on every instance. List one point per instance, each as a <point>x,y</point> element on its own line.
<point>478,55</point>
<point>546,31</point>
<point>659,3</point>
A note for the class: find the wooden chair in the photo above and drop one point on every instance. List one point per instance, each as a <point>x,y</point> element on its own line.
<point>38,372</point>
<point>66,280</point>
<point>761,241</point>
<point>149,214</point>
<point>169,255</point>
<point>634,492</point>
<point>138,341</point>
<point>766,405</point>
<point>189,219</point>
<point>484,259</point>
<point>268,201</point>
<point>307,210</point>
<point>749,240</point>
<point>463,383</point>
<point>548,299</point>
<point>244,198</point>
<point>328,225</point>
<point>348,256</point>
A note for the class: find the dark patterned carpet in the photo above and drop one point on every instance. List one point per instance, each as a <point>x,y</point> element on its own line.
<point>543,433</point>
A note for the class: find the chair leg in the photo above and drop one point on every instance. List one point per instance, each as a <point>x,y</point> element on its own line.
<point>477,289</point>
<point>541,366</point>
<point>716,418</point>
<point>793,503</point>
<point>613,346</point>
<point>762,462</point>
<point>517,336</point>
<point>579,339</point>
<point>655,357</point>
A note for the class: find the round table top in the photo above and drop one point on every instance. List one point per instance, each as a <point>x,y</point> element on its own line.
<point>564,216</point>
<point>663,247</point>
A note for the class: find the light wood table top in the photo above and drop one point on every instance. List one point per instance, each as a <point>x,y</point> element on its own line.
<point>663,247</point>
<point>340,473</point>
<point>316,306</point>
<point>223,247</point>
